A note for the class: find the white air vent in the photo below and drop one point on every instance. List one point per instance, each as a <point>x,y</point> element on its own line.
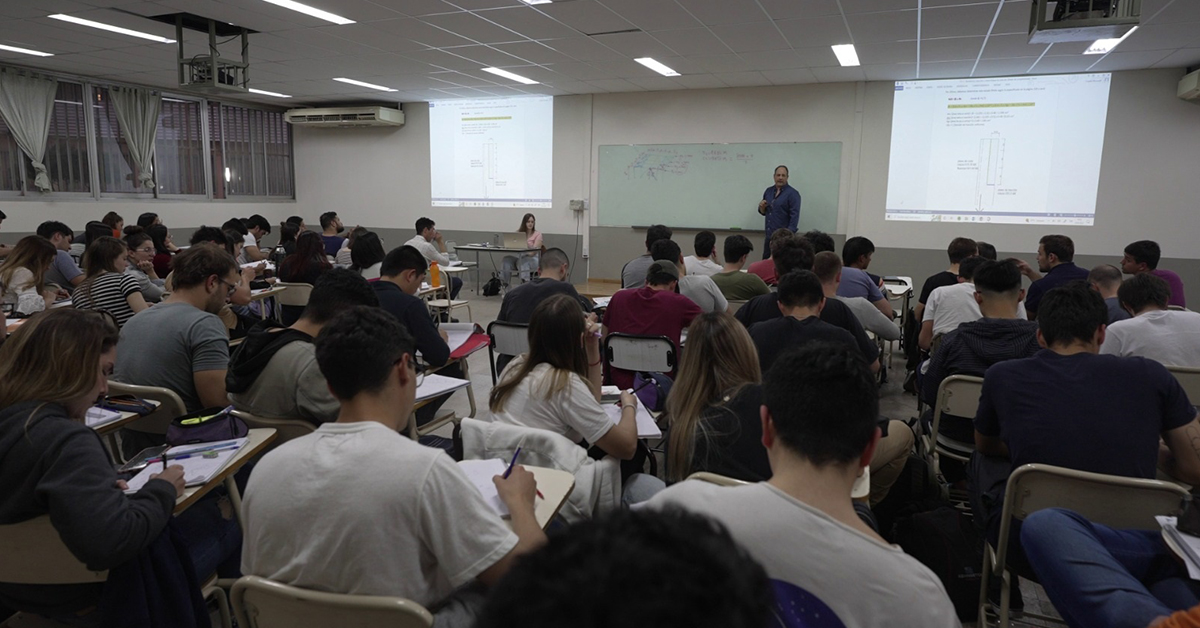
<point>346,117</point>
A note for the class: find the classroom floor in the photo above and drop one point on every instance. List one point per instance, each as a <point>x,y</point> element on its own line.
<point>894,403</point>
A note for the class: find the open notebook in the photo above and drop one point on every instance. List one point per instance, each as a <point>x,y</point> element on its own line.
<point>200,462</point>
<point>480,473</point>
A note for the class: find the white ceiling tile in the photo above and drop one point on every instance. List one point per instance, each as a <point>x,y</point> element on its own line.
<point>655,83</point>
<point>1057,65</point>
<point>1177,12</point>
<point>1010,46</point>
<point>778,59</point>
<point>529,22</point>
<point>417,8</point>
<point>958,21</point>
<point>1118,60</point>
<point>534,52</point>
<point>1013,18</point>
<point>946,69</point>
<point>1068,48</point>
<point>652,16</point>
<point>721,63</point>
<point>574,87</point>
<point>839,74</point>
<point>788,9</point>
<point>1185,58</point>
<point>487,56</point>
<point>444,59</point>
<point>477,5</point>
<point>584,49</point>
<point>794,76</point>
<point>616,85</point>
<point>874,28</point>
<point>619,68</point>
<point>743,79</point>
<point>635,45</point>
<point>579,71</point>
<point>400,35</point>
<point>391,63</point>
<point>462,79</point>
<point>951,49</point>
<point>751,36</point>
<point>1003,67</point>
<point>586,16</point>
<point>547,90</point>
<point>700,81</point>
<point>691,41</point>
<point>1161,37</point>
<point>714,12</point>
<point>893,72</point>
<point>472,27</point>
<point>851,7</point>
<point>817,31</point>
<point>41,8</point>
<point>331,38</point>
<point>818,57</point>
<point>892,52</point>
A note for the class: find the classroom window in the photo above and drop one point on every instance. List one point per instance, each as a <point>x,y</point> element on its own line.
<point>179,148</point>
<point>10,160</point>
<point>66,146</point>
<point>251,152</point>
<point>118,173</point>
<point>279,155</point>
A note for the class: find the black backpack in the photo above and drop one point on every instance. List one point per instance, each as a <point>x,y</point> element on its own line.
<point>492,287</point>
<point>945,541</point>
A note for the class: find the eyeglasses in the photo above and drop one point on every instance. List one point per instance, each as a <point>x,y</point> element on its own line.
<point>146,250</point>
<point>419,368</point>
<point>232,286</point>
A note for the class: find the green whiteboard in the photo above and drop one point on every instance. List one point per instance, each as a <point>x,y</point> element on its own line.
<point>715,186</point>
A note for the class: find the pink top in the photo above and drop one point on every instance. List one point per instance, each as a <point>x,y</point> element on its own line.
<point>534,241</point>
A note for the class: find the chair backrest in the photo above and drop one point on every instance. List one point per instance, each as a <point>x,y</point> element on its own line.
<point>714,478</point>
<point>506,339</point>
<point>1114,501</point>
<point>296,294</point>
<point>261,603</point>
<point>170,406</point>
<point>452,250</point>
<point>1189,379</point>
<point>649,354</point>
<point>958,395</point>
<point>32,552</point>
<point>285,428</point>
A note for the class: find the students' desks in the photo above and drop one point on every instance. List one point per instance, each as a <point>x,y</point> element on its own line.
<point>259,439</point>
<point>265,293</point>
<point>595,288</point>
<point>109,427</point>
<point>556,487</point>
<point>485,248</point>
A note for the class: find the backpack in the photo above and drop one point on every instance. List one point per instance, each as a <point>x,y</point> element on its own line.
<point>652,389</point>
<point>946,542</point>
<point>492,287</point>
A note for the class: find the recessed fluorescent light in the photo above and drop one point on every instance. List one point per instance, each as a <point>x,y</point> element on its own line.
<point>536,1</point>
<point>25,51</point>
<point>266,93</point>
<point>362,84</point>
<point>656,66</point>
<point>510,76</point>
<point>111,28</point>
<point>307,10</point>
<point>846,55</point>
<point>1101,46</point>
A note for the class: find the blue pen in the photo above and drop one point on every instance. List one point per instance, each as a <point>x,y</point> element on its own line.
<point>512,462</point>
<point>198,452</point>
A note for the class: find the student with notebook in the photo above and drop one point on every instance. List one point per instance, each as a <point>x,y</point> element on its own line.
<point>358,508</point>
<point>52,369</point>
<point>107,286</point>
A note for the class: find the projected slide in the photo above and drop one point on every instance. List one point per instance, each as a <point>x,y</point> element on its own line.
<point>493,152</point>
<point>1016,150</point>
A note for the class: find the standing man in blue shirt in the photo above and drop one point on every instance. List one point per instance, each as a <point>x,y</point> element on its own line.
<point>780,205</point>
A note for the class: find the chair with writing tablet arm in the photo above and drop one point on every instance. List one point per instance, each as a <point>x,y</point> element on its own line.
<point>1189,378</point>
<point>154,425</point>
<point>286,428</point>
<point>448,304</point>
<point>262,603</point>
<point>33,553</point>
<point>511,339</point>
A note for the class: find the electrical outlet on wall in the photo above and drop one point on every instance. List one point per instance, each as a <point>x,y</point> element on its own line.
<point>578,205</point>
<point>585,252</point>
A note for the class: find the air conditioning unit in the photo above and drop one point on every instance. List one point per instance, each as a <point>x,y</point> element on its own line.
<point>1189,87</point>
<point>345,117</point>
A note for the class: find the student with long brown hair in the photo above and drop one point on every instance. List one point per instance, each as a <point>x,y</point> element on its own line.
<point>556,386</point>
<point>527,262</point>
<point>308,262</point>
<point>106,286</point>
<point>714,404</point>
<point>23,276</point>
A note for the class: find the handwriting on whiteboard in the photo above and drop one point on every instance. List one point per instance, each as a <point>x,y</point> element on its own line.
<point>656,164</point>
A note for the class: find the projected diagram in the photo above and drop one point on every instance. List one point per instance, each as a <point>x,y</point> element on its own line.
<point>489,169</point>
<point>991,171</point>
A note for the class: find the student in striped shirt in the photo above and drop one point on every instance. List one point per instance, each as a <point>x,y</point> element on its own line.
<point>106,286</point>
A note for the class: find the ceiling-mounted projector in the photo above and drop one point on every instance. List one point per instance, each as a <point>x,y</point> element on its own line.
<point>1058,21</point>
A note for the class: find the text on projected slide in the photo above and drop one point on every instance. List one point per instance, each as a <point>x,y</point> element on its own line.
<point>1016,150</point>
<point>493,152</point>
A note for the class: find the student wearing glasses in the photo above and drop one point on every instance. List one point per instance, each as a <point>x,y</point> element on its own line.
<point>181,344</point>
<point>141,253</point>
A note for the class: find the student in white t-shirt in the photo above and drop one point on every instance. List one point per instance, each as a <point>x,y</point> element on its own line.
<point>951,306</point>
<point>704,261</point>
<point>699,288</point>
<point>358,508</point>
<point>556,386</point>
<point>821,404</point>
<point>1170,337</point>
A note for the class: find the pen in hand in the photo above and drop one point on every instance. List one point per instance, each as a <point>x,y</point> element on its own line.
<point>513,463</point>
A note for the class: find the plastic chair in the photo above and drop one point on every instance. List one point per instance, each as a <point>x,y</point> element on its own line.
<point>296,294</point>
<point>285,428</point>
<point>646,354</point>
<point>1189,379</point>
<point>32,552</point>
<point>447,303</point>
<point>170,406</point>
<point>1114,501</point>
<point>261,603</point>
<point>507,339</point>
<point>715,478</point>
<point>958,395</point>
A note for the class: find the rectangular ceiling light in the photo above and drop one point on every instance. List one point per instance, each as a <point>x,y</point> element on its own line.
<point>510,76</point>
<point>313,11</point>
<point>656,66</point>
<point>362,84</point>
<point>536,1</point>
<point>25,51</point>
<point>846,55</point>
<point>111,28</point>
<point>266,93</point>
<point>1102,46</point>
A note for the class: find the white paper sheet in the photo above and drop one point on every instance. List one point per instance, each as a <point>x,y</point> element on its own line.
<point>480,473</point>
<point>457,334</point>
<point>646,426</point>
<point>96,417</point>
<point>198,468</point>
<point>436,385</point>
<point>601,301</point>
